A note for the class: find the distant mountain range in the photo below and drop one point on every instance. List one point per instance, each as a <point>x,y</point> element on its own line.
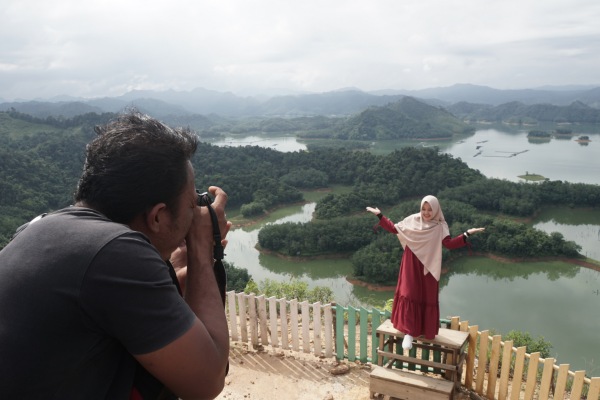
<point>517,113</point>
<point>336,103</point>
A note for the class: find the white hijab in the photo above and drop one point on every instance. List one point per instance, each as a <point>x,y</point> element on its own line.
<point>425,238</point>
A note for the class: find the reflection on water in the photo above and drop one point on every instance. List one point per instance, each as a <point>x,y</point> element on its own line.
<point>580,226</point>
<point>558,301</point>
<point>587,236</point>
<point>503,271</point>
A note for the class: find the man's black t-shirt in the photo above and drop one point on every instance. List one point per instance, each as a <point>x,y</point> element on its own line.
<point>78,295</point>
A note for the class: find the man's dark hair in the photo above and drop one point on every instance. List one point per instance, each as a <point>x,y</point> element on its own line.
<point>134,163</point>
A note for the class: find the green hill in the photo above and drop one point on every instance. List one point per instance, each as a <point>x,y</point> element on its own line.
<point>406,118</point>
<point>40,162</point>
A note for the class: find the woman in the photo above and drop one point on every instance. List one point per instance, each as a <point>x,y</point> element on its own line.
<point>416,310</point>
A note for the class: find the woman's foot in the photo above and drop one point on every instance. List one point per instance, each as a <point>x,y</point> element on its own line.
<point>407,342</point>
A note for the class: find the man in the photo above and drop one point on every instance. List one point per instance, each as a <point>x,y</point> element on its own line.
<point>89,305</point>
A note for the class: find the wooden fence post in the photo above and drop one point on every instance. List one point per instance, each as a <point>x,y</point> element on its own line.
<point>294,324</point>
<point>351,333</point>
<point>375,322</point>
<point>253,320</point>
<point>262,319</point>
<point>471,353</point>
<point>339,332</point>
<point>546,379</point>
<point>515,391</point>
<point>505,371</point>
<point>493,374</point>
<point>454,323</point>
<point>328,327</point>
<point>283,317</point>
<point>232,315</point>
<point>364,334</point>
<point>305,327</point>
<point>594,391</point>
<point>242,310</point>
<point>317,328</point>
<point>532,371</point>
<point>274,322</point>
<point>561,381</point>
<point>482,361</point>
<point>577,387</point>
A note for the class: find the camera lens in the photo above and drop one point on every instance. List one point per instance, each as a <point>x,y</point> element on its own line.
<point>203,199</point>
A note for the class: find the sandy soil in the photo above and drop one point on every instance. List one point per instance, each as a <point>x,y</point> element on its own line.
<point>267,374</point>
<point>276,374</point>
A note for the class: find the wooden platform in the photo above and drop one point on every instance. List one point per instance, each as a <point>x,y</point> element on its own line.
<point>447,338</point>
<point>408,385</point>
<point>449,344</point>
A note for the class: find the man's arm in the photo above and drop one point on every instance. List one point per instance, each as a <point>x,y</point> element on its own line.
<point>193,366</point>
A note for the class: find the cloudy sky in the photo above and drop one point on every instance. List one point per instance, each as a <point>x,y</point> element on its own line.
<point>99,48</point>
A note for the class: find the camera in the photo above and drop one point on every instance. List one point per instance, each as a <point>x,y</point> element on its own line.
<point>204,199</point>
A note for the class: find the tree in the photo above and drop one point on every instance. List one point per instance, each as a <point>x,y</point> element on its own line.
<point>237,278</point>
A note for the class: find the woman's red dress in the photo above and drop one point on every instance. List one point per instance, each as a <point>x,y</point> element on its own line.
<point>416,309</point>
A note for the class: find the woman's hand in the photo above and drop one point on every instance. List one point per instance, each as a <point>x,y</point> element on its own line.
<point>373,210</point>
<point>475,230</point>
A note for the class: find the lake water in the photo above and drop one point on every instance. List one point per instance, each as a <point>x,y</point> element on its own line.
<point>556,300</point>
<point>280,143</point>
<point>506,155</point>
<point>495,153</point>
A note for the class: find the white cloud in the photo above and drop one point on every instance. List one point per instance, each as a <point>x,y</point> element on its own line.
<point>96,48</point>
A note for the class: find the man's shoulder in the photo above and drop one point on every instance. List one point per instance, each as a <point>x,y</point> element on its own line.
<point>79,212</point>
<point>77,226</point>
<point>82,219</point>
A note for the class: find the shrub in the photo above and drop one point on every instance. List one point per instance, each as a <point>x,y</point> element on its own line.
<point>533,345</point>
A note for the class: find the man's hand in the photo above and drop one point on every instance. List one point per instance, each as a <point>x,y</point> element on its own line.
<point>178,260</point>
<point>194,365</point>
<point>179,257</point>
<point>201,230</point>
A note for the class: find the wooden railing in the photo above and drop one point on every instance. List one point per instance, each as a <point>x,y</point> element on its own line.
<point>258,321</point>
<point>494,369</point>
<point>510,373</point>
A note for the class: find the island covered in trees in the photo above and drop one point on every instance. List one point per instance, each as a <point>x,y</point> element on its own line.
<point>41,160</point>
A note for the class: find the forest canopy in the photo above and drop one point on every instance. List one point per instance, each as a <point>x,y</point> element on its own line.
<point>41,160</point>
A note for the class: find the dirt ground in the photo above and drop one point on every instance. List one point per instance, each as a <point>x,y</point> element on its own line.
<point>267,374</point>
<point>278,374</point>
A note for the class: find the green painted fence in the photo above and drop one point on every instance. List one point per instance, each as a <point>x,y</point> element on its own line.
<point>347,338</point>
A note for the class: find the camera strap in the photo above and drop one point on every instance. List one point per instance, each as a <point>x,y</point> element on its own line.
<point>218,255</point>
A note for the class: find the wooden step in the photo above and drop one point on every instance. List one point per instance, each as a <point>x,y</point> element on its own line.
<point>408,385</point>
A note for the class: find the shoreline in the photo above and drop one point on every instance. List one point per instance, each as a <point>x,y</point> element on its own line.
<point>389,288</point>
